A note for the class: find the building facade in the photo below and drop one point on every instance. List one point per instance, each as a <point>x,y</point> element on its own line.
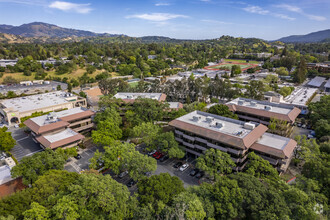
<point>199,131</point>
<point>61,129</point>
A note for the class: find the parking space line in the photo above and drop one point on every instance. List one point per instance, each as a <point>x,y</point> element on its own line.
<point>22,139</point>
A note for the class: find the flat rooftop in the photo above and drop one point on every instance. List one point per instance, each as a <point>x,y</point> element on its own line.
<point>5,175</point>
<point>34,102</point>
<point>209,121</point>
<point>67,133</point>
<point>316,81</point>
<point>300,96</point>
<point>262,105</point>
<point>327,84</point>
<point>273,141</point>
<point>174,104</point>
<point>132,96</point>
<point>44,119</point>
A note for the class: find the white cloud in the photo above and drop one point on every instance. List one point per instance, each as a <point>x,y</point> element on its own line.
<point>261,11</point>
<point>26,2</point>
<point>157,17</point>
<point>215,21</point>
<point>162,4</point>
<point>71,7</point>
<point>256,10</point>
<point>298,10</point>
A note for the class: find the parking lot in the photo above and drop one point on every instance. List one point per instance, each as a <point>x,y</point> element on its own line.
<point>78,165</point>
<point>167,167</point>
<point>25,146</point>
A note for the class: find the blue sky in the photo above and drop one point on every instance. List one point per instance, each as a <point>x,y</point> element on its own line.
<point>184,19</point>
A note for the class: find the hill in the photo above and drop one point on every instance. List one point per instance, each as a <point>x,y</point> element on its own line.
<point>313,37</point>
<point>40,29</point>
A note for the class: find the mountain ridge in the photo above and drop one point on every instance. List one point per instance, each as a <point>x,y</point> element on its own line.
<point>313,37</point>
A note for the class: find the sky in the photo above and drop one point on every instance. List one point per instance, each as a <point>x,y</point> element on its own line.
<point>182,19</point>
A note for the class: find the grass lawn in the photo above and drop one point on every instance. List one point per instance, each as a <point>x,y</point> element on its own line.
<point>228,66</point>
<point>242,61</point>
<point>133,84</point>
<point>74,75</point>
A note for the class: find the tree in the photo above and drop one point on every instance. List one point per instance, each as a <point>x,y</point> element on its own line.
<point>187,206</point>
<point>109,114</point>
<point>255,90</point>
<point>222,110</point>
<point>282,71</point>
<point>7,142</point>
<point>215,162</point>
<point>110,86</point>
<point>58,87</point>
<point>65,208</point>
<point>322,128</point>
<point>235,70</point>
<point>159,189</point>
<point>95,196</point>
<point>320,110</point>
<point>9,80</point>
<point>285,91</point>
<point>148,132</point>
<point>166,142</point>
<point>106,133</point>
<point>123,156</point>
<point>36,212</point>
<point>301,71</point>
<point>146,110</point>
<point>69,87</point>
<point>260,168</point>
<point>30,168</point>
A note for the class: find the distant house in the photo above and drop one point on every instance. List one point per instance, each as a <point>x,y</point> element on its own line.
<point>5,63</point>
<point>316,82</point>
<point>152,57</point>
<point>93,96</point>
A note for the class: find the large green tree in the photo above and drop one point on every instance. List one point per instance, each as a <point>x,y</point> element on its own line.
<point>215,162</point>
<point>222,110</point>
<point>30,168</point>
<point>7,142</point>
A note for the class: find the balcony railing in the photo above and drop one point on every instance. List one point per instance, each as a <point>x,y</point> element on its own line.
<point>188,137</point>
<point>178,139</point>
<point>200,147</point>
<point>178,132</point>
<point>217,147</point>
<point>201,140</point>
<point>188,144</point>
<point>271,160</point>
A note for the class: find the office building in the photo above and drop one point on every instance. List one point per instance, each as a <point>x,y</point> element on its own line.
<point>199,131</point>
<point>61,129</point>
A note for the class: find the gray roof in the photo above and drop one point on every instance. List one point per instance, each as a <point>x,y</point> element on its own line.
<point>327,85</point>
<point>273,141</point>
<point>34,102</point>
<point>316,81</point>
<point>262,105</point>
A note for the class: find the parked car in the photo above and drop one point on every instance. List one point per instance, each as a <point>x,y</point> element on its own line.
<point>298,124</point>
<point>199,175</point>
<point>78,156</point>
<point>123,174</point>
<point>156,154</point>
<point>304,126</point>
<point>151,152</point>
<point>184,167</point>
<point>178,164</point>
<point>159,156</point>
<point>164,158</point>
<point>131,183</point>
<point>194,172</point>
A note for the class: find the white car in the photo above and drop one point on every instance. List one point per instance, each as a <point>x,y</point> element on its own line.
<point>151,152</point>
<point>184,167</point>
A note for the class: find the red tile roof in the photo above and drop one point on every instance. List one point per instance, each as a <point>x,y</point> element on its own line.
<point>45,128</point>
<point>42,140</point>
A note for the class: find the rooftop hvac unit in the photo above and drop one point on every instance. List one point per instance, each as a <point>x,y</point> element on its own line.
<point>219,124</point>
<point>267,107</point>
<point>249,126</point>
<point>196,118</point>
<point>129,96</point>
<point>240,102</point>
<point>209,119</point>
<point>253,103</point>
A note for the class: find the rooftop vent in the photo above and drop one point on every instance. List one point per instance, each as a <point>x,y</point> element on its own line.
<point>253,103</point>
<point>196,118</point>
<point>129,96</point>
<point>219,124</point>
<point>249,126</point>
<point>209,119</point>
<point>52,117</point>
<point>267,107</point>
<point>240,102</point>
